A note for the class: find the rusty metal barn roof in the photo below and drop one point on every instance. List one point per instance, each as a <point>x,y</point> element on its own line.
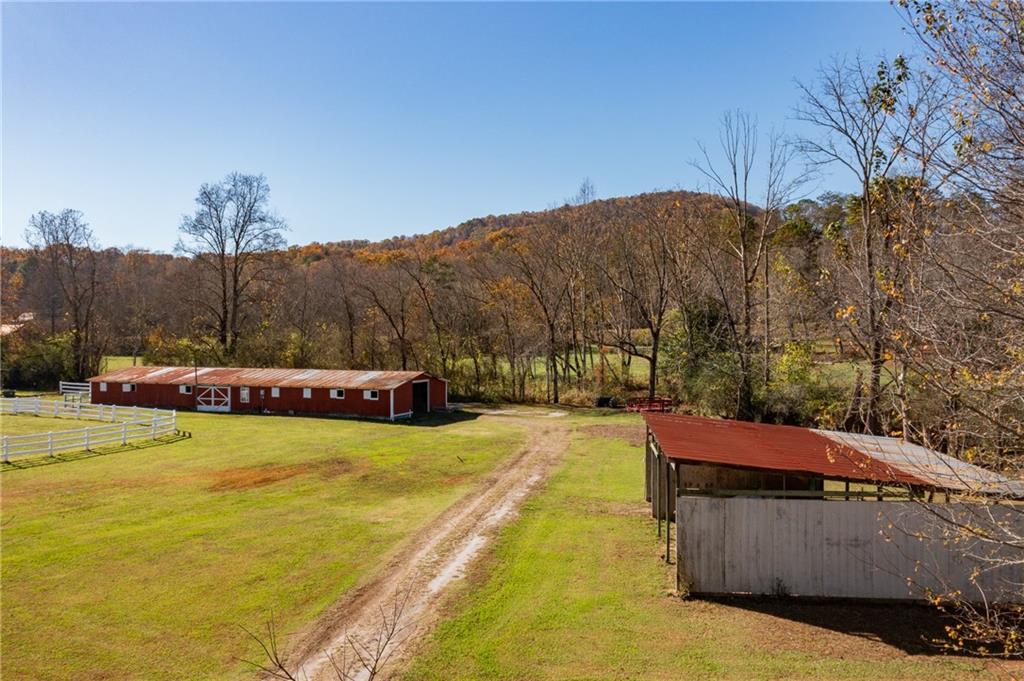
<point>831,454</point>
<point>268,378</point>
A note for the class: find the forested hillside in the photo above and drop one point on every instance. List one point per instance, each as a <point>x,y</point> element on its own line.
<point>897,308</point>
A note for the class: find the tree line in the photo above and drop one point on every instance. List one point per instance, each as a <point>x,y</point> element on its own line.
<point>732,299</point>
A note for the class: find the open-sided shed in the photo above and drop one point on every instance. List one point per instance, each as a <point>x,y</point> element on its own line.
<point>372,394</point>
<point>766,509</point>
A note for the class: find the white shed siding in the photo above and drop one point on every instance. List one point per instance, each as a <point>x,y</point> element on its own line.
<point>821,548</point>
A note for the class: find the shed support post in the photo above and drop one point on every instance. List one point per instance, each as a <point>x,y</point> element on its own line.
<point>647,466</point>
<point>668,514</point>
<point>657,491</point>
<point>679,557</point>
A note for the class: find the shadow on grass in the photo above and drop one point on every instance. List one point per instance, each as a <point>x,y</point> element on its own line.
<point>914,628</point>
<point>430,420</point>
<point>439,418</point>
<point>68,457</point>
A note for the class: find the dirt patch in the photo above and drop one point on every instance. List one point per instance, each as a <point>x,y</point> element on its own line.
<point>439,554</point>
<point>332,468</point>
<point>458,479</point>
<point>257,476</point>
<point>249,477</point>
<point>634,435</point>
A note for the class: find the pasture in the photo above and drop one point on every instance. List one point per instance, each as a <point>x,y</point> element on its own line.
<point>575,590</point>
<point>143,563</point>
<point>24,424</point>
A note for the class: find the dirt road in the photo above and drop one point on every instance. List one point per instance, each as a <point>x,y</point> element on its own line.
<point>438,555</point>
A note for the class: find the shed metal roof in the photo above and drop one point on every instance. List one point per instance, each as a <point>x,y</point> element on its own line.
<point>843,456</point>
<point>284,378</point>
<point>938,469</point>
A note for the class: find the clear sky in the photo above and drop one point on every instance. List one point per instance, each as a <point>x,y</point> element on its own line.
<point>371,120</point>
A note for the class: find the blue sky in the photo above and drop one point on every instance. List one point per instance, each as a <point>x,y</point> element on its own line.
<point>371,120</point>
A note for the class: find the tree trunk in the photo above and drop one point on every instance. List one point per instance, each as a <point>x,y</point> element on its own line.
<point>652,376</point>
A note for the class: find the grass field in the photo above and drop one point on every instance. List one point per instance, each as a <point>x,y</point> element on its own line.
<point>575,590</point>
<point>112,362</point>
<point>144,563</point>
<point>23,424</point>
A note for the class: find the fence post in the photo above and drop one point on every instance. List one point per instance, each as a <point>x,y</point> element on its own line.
<point>153,429</point>
<point>5,449</point>
<point>78,409</point>
<point>39,404</point>
<point>49,442</point>
<point>87,432</point>
<point>135,412</point>
<point>174,420</point>
<point>113,413</point>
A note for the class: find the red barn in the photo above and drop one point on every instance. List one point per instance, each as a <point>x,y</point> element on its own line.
<point>373,394</point>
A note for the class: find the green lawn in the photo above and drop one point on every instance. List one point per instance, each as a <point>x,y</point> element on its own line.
<point>24,424</point>
<point>112,362</point>
<point>574,589</point>
<point>143,563</point>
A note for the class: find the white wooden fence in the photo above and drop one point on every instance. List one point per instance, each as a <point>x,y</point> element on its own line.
<point>72,388</point>
<point>852,549</point>
<point>124,424</point>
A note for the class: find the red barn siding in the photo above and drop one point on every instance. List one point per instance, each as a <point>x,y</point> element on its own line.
<point>403,399</point>
<point>438,394</point>
<point>144,395</point>
<point>289,399</point>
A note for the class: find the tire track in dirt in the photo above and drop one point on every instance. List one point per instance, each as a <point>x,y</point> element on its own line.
<point>438,555</point>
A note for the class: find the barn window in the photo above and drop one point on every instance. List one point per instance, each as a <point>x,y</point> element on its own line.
<point>337,393</point>
<point>307,393</point>
<point>185,389</point>
<point>103,386</point>
<point>370,394</point>
<point>128,387</point>
<point>275,392</point>
<point>243,394</point>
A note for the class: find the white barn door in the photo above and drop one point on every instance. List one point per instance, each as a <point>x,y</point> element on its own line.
<point>213,398</point>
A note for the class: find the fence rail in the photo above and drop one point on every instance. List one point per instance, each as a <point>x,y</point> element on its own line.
<point>124,424</point>
<point>72,388</point>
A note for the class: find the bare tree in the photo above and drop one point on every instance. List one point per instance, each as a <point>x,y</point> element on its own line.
<point>640,253</point>
<point>67,249</point>
<point>142,298</point>
<point>228,238</point>
<point>362,658</point>
<point>531,257</point>
<point>864,120</point>
<point>733,240</point>
<point>390,294</point>
<point>979,49</point>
